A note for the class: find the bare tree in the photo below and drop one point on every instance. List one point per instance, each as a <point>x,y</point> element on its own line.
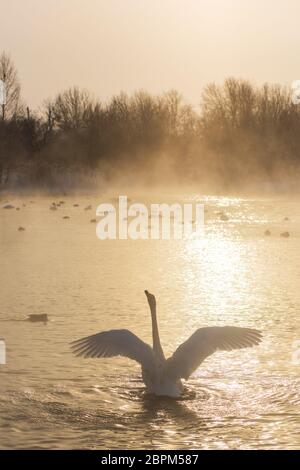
<point>72,109</point>
<point>8,74</point>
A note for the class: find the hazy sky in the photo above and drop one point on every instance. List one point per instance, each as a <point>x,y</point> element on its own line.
<point>112,45</point>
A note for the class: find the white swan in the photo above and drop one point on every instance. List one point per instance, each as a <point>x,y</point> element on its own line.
<point>163,376</point>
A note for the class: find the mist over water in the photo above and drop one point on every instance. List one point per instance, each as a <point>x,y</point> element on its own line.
<point>234,275</point>
<point>138,103</point>
<point>239,136</point>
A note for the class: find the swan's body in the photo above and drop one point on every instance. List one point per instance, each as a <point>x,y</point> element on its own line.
<point>163,376</point>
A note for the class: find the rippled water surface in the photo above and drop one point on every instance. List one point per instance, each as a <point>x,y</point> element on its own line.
<point>233,275</point>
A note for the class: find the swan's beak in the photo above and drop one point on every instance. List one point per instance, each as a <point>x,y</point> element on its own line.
<point>148,295</point>
<point>150,298</point>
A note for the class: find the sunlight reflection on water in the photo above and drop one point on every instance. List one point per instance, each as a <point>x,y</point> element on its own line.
<point>234,275</point>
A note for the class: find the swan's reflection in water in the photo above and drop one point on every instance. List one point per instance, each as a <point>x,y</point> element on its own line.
<point>208,416</point>
<point>155,422</point>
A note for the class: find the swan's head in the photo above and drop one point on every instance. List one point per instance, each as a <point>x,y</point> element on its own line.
<point>151,299</point>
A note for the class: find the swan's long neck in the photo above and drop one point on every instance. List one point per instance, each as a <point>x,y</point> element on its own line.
<point>155,335</point>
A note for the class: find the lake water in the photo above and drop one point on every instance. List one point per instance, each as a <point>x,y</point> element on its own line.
<point>233,275</point>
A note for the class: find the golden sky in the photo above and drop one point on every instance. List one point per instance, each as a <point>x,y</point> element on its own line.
<point>112,45</point>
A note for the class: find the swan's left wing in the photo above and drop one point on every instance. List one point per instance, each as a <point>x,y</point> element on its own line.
<point>204,342</point>
<point>114,343</point>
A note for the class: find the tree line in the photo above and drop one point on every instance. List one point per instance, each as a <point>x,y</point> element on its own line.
<point>239,131</point>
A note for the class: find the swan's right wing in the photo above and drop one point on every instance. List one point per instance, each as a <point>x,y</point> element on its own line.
<point>204,342</point>
<point>114,343</point>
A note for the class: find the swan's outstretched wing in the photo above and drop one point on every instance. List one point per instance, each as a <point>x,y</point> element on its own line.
<point>204,342</point>
<point>114,343</point>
